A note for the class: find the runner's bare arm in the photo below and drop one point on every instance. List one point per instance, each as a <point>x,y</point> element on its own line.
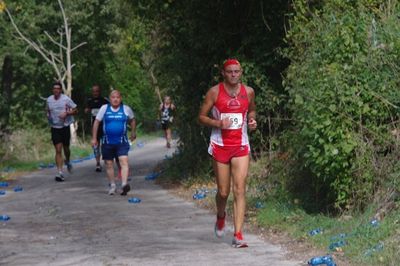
<point>94,132</point>
<point>73,111</point>
<point>132,123</point>
<point>252,123</point>
<point>205,109</point>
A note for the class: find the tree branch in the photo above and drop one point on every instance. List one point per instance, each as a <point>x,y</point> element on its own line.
<point>79,45</point>
<point>55,42</point>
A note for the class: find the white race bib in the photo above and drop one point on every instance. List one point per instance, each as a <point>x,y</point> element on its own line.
<point>95,111</point>
<point>235,118</point>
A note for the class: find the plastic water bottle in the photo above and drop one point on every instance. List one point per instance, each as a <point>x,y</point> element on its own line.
<point>4,217</point>
<point>259,205</point>
<point>339,236</point>
<point>3,184</point>
<point>96,150</point>
<point>374,223</point>
<point>338,244</point>
<point>374,249</point>
<point>151,176</point>
<point>315,232</point>
<point>198,196</point>
<point>2,192</point>
<point>134,200</point>
<point>140,144</point>
<point>18,189</point>
<point>327,260</point>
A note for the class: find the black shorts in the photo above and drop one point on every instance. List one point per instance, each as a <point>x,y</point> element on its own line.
<point>100,133</point>
<point>61,135</point>
<point>99,130</point>
<point>165,126</point>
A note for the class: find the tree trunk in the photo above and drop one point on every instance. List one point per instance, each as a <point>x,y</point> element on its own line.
<point>6,83</point>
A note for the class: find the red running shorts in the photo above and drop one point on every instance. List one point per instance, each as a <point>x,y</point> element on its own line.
<point>224,154</point>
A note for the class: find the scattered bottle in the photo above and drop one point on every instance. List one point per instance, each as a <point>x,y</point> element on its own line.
<point>315,232</point>
<point>338,244</point>
<point>374,223</point>
<point>2,192</point>
<point>198,196</point>
<point>134,200</point>
<point>18,189</point>
<point>259,205</point>
<point>4,217</point>
<point>374,249</point>
<point>151,176</point>
<point>327,260</point>
<point>339,236</point>
<point>140,144</point>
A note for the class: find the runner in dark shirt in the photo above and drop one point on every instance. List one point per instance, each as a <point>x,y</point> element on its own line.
<point>93,106</point>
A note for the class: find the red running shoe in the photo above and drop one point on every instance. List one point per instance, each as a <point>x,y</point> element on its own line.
<point>238,241</point>
<point>219,228</point>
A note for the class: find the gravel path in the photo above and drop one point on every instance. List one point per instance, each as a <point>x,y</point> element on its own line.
<point>77,223</point>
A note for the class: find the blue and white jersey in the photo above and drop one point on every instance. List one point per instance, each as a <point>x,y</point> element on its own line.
<point>115,123</point>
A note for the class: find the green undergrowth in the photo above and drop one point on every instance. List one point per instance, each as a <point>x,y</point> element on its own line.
<point>363,240</point>
<point>286,208</point>
<point>26,149</point>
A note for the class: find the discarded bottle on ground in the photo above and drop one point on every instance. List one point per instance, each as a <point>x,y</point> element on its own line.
<point>18,189</point>
<point>374,223</point>
<point>327,260</point>
<point>338,244</point>
<point>259,205</point>
<point>4,217</point>
<point>2,192</point>
<point>198,196</point>
<point>134,200</point>
<point>315,232</point>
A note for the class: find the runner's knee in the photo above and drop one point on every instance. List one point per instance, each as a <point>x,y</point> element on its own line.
<point>239,190</point>
<point>108,163</point>
<point>222,194</point>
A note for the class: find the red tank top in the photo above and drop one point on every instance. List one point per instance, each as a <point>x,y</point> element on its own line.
<point>235,108</point>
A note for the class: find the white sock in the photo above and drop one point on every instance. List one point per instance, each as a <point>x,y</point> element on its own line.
<point>123,184</point>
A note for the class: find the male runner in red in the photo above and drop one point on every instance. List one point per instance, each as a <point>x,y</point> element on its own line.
<point>233,110</point>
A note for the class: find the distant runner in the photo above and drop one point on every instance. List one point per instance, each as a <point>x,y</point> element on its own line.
<point>166,110</point>
<point>115,117</point>
<point>60,110</point>
<point>232,110</point>
<point>93,106</point>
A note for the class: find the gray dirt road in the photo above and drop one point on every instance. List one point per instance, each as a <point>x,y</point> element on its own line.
<point>77,223</point>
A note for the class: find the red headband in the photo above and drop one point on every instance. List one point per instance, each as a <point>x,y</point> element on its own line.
<point>229,62</point>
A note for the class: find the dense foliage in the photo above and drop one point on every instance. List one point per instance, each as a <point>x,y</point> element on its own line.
<point>108,29</point>
<point>194,40</point>
<point>343,85</point>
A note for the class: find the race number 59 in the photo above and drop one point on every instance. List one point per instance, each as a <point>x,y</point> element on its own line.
<point>235,118</point>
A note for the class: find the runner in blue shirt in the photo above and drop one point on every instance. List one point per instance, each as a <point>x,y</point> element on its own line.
<point>115,117</point>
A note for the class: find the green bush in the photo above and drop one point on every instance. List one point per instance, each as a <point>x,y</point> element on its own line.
<point>343,86</point>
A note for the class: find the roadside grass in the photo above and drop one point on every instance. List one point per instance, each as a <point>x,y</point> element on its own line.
<point>365,243</point>
<point>26,150</point>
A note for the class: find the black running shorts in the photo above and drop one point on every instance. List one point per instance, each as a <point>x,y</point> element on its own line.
<point>61,135</point>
